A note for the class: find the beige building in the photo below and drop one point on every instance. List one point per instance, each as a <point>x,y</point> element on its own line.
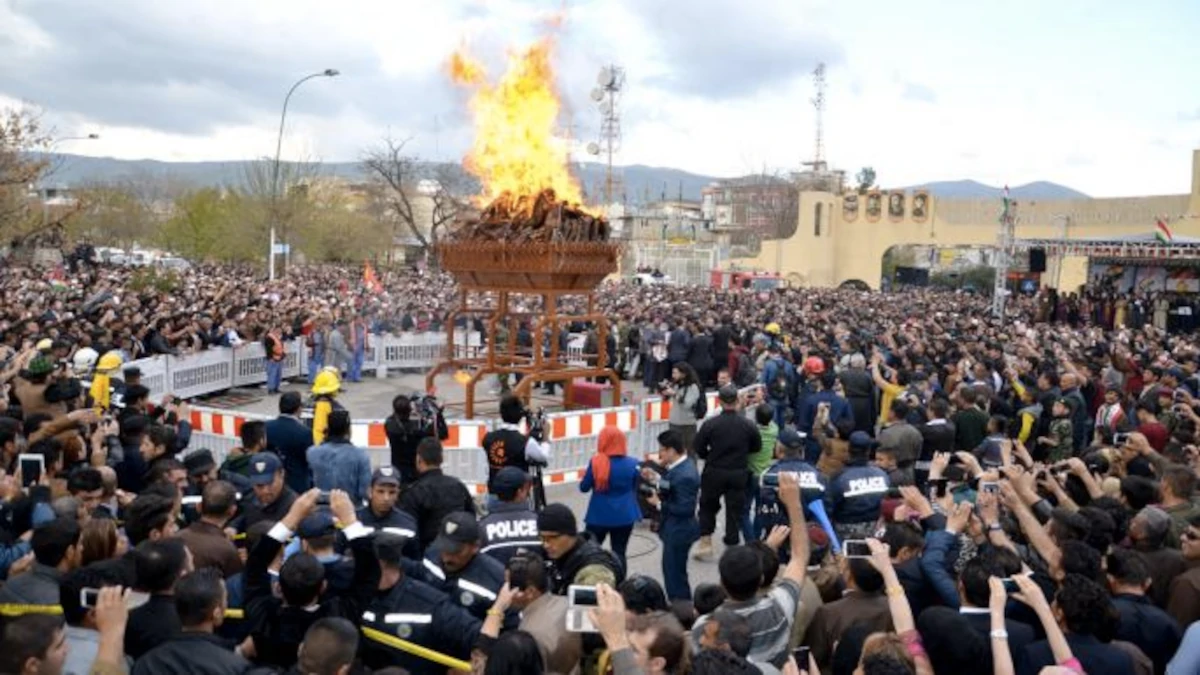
<point>842,237</point>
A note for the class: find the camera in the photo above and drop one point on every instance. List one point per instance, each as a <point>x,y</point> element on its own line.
<point>426,408</point>
<point>646,487</point>
<point>536,421</point>
<point>663,386</point>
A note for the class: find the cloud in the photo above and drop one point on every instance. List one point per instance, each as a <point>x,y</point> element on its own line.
<point>918,92</point>
<point>719,51</point>
<point>1189,116</point>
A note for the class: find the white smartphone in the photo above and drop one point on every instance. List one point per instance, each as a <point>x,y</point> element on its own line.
<point>32,468</point>
<point>855,548</point>
<point>580,599</point>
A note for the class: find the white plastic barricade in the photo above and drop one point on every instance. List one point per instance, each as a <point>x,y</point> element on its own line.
<point>154,375</point>
<point>201,373</point>
<point>249,365</point>
<point>293,362</point>
<point>573,437</point>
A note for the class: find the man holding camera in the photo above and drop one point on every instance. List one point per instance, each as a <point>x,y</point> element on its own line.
<point>507,445</point>
<point>674,494</point>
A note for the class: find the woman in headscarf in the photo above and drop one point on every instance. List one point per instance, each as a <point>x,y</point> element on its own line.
<point>612,478</point>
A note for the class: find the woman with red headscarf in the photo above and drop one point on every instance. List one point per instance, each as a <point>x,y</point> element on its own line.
<point>613,508</point>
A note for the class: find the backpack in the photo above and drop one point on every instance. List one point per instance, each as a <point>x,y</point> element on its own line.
<point>781,386</point>
<point>746,373</point>
<point>700,407</point>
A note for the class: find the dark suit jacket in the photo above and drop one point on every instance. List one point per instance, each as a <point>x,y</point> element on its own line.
<point>833,619</point>
<point>1096,657</point>
<point>1020,635</point>
<point>680,504</point>
<point>288,438</point>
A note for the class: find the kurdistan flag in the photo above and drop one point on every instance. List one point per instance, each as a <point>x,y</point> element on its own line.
<point>1162,232</point>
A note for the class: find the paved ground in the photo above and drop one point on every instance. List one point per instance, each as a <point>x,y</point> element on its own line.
<point>371,399</point>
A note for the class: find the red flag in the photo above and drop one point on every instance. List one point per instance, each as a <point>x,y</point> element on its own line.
<point>370,281</point>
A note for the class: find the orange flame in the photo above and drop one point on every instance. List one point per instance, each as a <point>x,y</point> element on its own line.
<point>515,149</point>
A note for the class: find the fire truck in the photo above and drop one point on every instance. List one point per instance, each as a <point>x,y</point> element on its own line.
<point>747,279</point>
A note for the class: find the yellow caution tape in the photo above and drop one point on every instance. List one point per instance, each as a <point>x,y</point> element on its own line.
<point>416,649</point>
<point>12,609</point>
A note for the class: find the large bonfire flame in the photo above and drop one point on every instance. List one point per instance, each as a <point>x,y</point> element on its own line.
<point>521,163</point>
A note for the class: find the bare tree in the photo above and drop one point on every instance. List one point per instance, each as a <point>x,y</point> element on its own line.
<point>776,205</point>
<point>23,163</point>
<point>418,198</point>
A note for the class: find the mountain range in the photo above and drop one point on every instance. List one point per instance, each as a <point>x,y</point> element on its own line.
<point>638,183</point>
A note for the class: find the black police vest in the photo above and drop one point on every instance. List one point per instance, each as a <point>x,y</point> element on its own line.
<point>504,447</point>
<point>504,532</point>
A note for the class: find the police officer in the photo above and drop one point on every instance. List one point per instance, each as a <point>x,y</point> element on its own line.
<point>789,456</point>
<point>414,611</point>
<point>857,493</point>
<point>455,566</point>
<point>318,535</point>
<point>574,559</point>
<point>507,445</point>
<point>381,513</point>
<point>510,525</point>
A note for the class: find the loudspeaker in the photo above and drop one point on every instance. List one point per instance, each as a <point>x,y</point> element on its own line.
<point>1037,260</point>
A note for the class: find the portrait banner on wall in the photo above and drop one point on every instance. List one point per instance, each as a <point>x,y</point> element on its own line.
<point>920,206</point>
<point>896,205</point>
<point>1151,279</point>
<point>1183,280</point>
<point>850,207</point>
<point>874,206</point>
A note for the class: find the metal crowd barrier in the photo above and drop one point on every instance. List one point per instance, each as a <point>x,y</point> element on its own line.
<point>222,368</point>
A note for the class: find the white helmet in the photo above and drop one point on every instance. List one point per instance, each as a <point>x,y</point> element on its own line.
<point>84,361</point>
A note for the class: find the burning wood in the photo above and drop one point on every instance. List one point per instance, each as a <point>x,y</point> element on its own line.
<point>530,218</point>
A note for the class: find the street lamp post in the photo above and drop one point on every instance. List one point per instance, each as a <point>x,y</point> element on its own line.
<point>45,191</point>
<point>328,72</point>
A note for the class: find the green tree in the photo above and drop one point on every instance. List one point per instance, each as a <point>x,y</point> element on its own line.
<point>112,214</point>
<point>201,226</point>
<point>866,179</point>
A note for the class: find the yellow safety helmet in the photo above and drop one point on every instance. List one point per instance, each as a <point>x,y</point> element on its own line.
<point>45,345</point>
<point>772,329</point>
<point>109,362</point>
<point>327,382</point>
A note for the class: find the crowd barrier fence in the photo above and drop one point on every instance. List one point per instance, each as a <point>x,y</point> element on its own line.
<point>222,368</point>
<point>572,436</point>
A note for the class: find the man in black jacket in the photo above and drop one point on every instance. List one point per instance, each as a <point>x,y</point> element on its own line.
<point>575,559</point>
<point>160,565</point>
<point>404,434</point>
<point>200,602</point>
<point>435,495</point>
<point>381,515</point>
<point>278,625</point>
<point>725,442</point>
<point>937,435</point>
<point>272,498</point>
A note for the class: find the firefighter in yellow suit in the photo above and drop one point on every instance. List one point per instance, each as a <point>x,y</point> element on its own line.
<point>325,389</point>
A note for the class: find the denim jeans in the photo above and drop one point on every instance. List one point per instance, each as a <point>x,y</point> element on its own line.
<point>356,364</point>
<point>315,364</point>
<point>274,375</point>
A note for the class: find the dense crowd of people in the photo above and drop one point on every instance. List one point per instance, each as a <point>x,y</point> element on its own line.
<point>913,486</point>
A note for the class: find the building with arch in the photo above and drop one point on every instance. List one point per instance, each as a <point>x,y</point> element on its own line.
<point>842,237</point>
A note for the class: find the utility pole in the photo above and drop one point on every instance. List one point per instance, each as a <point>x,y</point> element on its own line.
<point>818,101</point>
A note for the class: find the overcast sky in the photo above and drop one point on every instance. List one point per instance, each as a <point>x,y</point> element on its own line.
<point>1100,95</point>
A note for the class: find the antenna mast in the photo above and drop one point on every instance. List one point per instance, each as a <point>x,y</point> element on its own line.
<point>818,101</point>
<point>610,81</point>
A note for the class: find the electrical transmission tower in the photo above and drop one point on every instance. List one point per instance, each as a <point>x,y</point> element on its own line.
<point>818,102</point>
<point>610,81</point>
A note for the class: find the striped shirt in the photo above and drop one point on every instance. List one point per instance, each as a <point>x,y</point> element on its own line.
<point>770,617</point>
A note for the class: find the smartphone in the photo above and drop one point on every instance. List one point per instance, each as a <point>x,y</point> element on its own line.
<point>323,498</point>
<point>580,599</point>
<point>855,548</point>
<point>88,597</point>
<point>989,486</point>
<point>800,654</point>
<point>1120,439</point>
<point>32,468</point>
<point>939,486</point>
<point>1010,586</point>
